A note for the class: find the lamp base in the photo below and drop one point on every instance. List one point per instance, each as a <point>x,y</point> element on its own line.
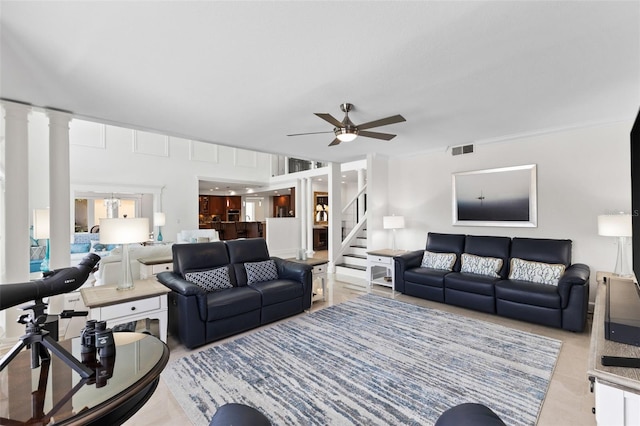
<point>622,268</point>
<point>159,233</point>
<point>44,265</point>
<point>126,277</point>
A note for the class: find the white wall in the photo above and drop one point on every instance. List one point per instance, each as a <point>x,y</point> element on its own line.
<point>104,156</point>
<point>581,174</point>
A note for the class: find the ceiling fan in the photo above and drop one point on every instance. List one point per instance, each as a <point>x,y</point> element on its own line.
<point>346,130</point>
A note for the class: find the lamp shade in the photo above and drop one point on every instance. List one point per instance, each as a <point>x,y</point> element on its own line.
<point>124,231</point>
<point>614,225</point>
<point>393,222</point>
<point>41,224</point>
<point>159,219</point>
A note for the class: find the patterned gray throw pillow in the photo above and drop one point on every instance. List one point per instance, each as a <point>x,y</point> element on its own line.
<point>537,272</point>
<point>444,261</point>
<point>489,266</point>
<point>211,280</point>
<point>258,272</point>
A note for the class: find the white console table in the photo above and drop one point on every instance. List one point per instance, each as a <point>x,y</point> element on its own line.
<point>147,300</point>
<point>617,389</point>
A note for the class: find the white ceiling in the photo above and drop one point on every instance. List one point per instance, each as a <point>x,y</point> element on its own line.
<point>247,74</point>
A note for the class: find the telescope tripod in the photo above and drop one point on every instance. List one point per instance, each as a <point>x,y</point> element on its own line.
<point>40,343</point>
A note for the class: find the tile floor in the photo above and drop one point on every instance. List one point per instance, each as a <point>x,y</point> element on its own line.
<point>568,401</point>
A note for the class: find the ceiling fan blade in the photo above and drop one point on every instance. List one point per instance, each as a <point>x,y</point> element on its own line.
<point>309,133</point>
<point>377,135</point>
<point>336,141</point>
<point>382,122</point>
<point>330,119</point>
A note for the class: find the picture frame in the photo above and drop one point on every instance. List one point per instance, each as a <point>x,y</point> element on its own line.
<point>504,196</point>
<point>320,208</point>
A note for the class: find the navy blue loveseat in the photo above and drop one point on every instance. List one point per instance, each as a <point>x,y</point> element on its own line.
<point>562,304</point>
<point>199,315</point>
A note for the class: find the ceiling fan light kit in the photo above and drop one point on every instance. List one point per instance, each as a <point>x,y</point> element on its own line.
<point>347,131</point>
<point>345,135</point>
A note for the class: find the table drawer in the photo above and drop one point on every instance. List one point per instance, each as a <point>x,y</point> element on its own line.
<point>320,269</point>
<point>128,308</point>
<point>163,267</point>
<point>380,259</point>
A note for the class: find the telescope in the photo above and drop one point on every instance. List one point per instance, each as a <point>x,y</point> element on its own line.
<point>59,281</point>
<point>55,282</point>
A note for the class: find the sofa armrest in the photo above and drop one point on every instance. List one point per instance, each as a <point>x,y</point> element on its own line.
<point>411,259</point>
<point>576,274</point>
<point>403,262</point>
<point>180,285</point>
<point>298,272</point>
<point>185,289</point>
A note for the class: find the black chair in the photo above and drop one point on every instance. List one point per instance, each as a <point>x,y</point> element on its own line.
<point>238,415</point>
<point>469,414</point>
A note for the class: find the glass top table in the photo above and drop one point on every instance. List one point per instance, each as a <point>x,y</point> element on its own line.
<point>53,393</point>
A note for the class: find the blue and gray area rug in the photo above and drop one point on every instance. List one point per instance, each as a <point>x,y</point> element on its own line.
<point>369,361</point>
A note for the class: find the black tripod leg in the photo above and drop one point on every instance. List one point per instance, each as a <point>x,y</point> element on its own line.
<point>84,371</point>
<point>11,354</point>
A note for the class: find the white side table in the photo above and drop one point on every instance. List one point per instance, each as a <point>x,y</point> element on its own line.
<point>150,266</point>
<point>381,268</point>
<point>319,272</point>
<point>147,300</point>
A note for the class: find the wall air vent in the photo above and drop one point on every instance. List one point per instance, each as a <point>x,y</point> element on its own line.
<point>462,149</point>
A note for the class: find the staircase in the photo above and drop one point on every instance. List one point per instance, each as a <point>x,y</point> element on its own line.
<point>353,268</point>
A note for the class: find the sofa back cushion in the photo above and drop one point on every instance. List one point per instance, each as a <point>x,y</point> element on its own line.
<point>446,243</point>
<point>542,250</point>
<point>486,246</point>
<point>243,251</point>
<point>199,257</point>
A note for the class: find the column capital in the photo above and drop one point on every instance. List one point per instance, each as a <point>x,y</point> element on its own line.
<point>58,117</point>
<point>16,110</point>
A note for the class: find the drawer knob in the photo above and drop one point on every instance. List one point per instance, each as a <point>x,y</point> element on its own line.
<point>133,308</point>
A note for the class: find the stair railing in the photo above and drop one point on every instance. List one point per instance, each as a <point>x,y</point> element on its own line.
<point>352,221</point>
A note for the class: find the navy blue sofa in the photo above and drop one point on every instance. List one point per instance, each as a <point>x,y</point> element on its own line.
<point>563,305</point>
<point>197,316</point>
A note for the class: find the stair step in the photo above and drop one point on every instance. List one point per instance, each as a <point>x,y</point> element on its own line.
<point>358,246</point>
<point>357,267</point>
<point>357,256</point>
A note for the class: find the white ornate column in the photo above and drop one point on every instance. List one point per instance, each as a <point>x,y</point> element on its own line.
<point>59,189</point>
<point>361,182</point>
<point>335,214</point>
<point>308,202</point>
<point>300,211</point>
<point>15,243</point>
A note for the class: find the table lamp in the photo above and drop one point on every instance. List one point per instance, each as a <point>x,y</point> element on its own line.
<point>393,223</point>
<point>41,231</point>
<point>617,225</point>
<point>159,220</point>
<point>124,231</point>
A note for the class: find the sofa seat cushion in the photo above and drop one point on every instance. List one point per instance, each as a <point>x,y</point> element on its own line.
<point>232,302</point>
<point>426,276</point>
<point>528,293</point>
<point>471,283</point>
<point>277,291</point>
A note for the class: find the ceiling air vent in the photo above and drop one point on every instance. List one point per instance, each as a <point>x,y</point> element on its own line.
<point>463,149</point>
